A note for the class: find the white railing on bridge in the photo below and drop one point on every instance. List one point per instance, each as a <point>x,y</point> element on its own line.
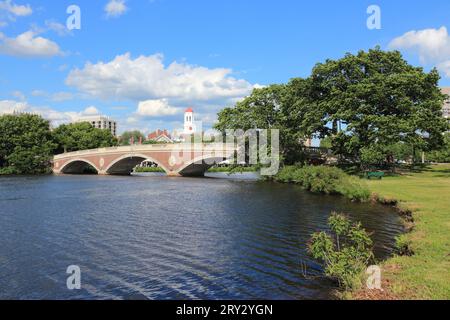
<point>151,147</point>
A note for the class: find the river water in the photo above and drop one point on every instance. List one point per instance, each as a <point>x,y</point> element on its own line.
<point>154,237</point>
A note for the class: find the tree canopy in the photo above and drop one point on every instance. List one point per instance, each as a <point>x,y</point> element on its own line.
<point>126,137</point>
<point>374,100</point>
<point>82,136</point>
<point>363,104</point>
<point>26,144</point>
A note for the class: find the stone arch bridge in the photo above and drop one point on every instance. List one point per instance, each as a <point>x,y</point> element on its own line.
<point>175,159</point>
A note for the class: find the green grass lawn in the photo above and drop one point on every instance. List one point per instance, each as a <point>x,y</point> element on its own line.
<point>426,274</point>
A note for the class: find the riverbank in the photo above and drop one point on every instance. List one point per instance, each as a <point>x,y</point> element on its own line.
<point>425,274</point>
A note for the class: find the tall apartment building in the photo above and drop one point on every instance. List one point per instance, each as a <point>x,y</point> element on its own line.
<point>101,122</point>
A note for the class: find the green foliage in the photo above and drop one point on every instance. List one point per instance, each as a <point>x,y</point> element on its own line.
<point>125,138</point>
<point>345,252</point>
<point>26,144</point>
<point>267,108</point>
<point>380,100</point>
<point>364,105</point>
<point>234,169</point>
<point>82,136</point>
<point>328,180</point>
<point>442,155</point>
<point>326,142</point>
<point>372,155</point>
<point>149,169</point>
<point>153,142</point>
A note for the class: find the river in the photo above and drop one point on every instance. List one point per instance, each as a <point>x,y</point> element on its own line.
<point>154,237</point>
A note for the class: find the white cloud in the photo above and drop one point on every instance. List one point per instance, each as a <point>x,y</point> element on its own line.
<point>431,45</point>
<point>156,108</point>
<point>55,117</point>
<point>16,10</point>
<point>91,111</point>
<point>445,68</point>
<point>115,8</point>
<point>147,78</point>
<point>28,44</point>
<point>57,27</point>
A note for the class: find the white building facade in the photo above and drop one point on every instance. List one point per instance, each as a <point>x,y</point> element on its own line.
<point>101,122</point>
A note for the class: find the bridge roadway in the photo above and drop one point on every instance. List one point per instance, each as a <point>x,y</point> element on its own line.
<point>175,159</point>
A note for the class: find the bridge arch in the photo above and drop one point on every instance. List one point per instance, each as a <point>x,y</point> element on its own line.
<point>125,164</point>
<point>195,168</point>
<point>77,166</point>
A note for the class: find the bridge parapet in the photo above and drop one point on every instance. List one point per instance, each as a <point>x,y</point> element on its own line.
<point>175,159</point>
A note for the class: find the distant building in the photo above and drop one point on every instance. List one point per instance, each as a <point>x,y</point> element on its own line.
<point>446,108</point>
<point>160,136</point>
<point>101,122</point>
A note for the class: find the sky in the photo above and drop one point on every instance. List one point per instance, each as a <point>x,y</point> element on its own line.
<point>143,62</point>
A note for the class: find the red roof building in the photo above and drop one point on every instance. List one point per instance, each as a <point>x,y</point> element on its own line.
<point>160,136</point>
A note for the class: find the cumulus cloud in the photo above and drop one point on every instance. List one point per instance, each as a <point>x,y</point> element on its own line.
<point>14,9</point>
<point>431,45</point>
<point>90,111</point>
<point>147,78</point>
<point>28,44</point>
<point>156,108</point>
<point>54,116</point>
<point>115,8</point>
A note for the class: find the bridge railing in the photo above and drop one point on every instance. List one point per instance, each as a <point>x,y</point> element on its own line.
<point>151,147</point>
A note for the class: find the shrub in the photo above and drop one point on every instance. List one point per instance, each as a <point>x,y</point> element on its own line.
<point>149,169</point>
<point>345,253</point>
<point>322,179</point>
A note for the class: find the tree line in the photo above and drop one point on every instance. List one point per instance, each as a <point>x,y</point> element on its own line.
<point>27,143</point>
<point>368,108</point>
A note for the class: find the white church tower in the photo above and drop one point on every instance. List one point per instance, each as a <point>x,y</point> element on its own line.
<point>189,126</point>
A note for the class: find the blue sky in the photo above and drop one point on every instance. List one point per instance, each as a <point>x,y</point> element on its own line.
<point>143,62</point>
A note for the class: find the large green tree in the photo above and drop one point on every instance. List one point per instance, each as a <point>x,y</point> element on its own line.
<point>267,108</point>
<point>82,136</point>
<point>26,144</point>
<point>370,101</point>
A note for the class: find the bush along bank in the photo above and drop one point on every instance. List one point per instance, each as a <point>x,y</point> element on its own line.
<point>326,180</point>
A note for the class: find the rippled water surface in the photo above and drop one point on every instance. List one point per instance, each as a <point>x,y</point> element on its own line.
<point>168,238</point>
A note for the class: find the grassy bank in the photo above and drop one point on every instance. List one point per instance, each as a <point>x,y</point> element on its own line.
<point>425,274</point>
<point>327,180</point>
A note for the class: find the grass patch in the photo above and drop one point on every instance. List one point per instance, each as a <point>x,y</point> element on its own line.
<point>425,274</point>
